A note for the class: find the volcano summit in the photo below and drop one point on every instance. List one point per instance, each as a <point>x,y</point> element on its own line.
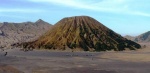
<point>81,33</point>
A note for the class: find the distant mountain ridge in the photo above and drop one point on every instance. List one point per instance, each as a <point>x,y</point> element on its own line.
<point>143,38</point>
<point>130,37</point>
<point>11,33</point>
<point>81,33</point>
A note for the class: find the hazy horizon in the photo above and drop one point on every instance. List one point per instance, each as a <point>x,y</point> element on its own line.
<point>126,17</point>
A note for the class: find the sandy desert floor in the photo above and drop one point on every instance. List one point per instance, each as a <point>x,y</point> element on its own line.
<point>42,61</point>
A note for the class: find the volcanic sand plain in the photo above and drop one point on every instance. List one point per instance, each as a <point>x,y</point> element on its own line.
<point>44,61</point>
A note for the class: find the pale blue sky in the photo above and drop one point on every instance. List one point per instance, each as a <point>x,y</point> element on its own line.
<point>126,17</point>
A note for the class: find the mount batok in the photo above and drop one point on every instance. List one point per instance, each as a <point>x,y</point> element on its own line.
<point>81,33</point>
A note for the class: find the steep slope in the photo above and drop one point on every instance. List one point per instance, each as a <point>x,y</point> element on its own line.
<point>81,33</point>
<point>11,33</point>
<point>145,37</point>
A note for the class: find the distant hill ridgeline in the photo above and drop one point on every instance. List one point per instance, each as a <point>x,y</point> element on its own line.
<point>143,38</point>
<point>11,33</point>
